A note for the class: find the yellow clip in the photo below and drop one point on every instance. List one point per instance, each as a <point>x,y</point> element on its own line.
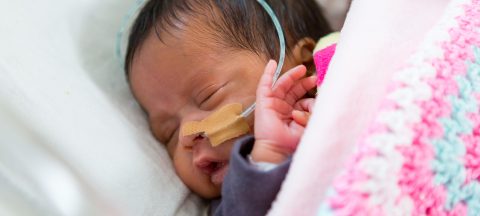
<point>223,125</point>
<point>326,41</point>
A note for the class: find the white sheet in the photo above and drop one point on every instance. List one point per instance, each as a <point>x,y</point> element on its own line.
<point>60,78</point>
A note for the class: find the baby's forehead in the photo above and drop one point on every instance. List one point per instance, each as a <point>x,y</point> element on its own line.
<point>196,27</point>
<point>175,62</point>
<point>187,44</point>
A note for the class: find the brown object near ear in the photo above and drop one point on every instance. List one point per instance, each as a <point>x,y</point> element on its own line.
<point>223,125</point>
<point>302,52</point>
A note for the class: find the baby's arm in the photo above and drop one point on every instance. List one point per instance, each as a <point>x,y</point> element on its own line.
<point>280,118</point>
<point>281,114</point>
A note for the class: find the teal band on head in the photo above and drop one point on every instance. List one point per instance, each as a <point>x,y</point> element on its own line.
<point>120,37</point>
<point>281,61</point>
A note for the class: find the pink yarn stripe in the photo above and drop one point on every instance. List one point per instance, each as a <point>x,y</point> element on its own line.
<point>472,156</point>
<point>417,179</point>
<point>349,199</point>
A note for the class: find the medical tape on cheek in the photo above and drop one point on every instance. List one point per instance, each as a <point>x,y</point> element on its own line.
<point>223,125</point>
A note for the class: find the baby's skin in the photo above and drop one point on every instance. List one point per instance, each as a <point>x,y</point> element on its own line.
<point>188,75</point>
<point>281,114</point>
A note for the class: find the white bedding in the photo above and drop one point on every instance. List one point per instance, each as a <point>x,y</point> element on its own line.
<point>77,142</point>
<point>72,139</point>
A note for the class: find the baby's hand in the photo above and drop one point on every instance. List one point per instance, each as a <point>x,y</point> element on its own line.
<point>302,110</point>
<point>281,113</point>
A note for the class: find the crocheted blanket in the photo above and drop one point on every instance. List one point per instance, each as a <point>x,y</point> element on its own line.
<point>421,156</point>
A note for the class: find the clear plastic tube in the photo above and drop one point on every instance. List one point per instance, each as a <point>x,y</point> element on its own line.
<point>281,61</point>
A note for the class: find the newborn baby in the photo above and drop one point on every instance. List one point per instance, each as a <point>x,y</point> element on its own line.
<point>186,59</point>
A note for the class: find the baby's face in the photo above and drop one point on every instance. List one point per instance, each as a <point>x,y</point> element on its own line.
<point>182,80</point>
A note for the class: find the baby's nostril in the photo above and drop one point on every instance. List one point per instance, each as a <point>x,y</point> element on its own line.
<point>199,137</point>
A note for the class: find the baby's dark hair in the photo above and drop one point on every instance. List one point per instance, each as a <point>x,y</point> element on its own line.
<point>239,24</point>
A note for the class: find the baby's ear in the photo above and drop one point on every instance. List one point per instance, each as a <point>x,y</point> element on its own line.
<point>302,52</point>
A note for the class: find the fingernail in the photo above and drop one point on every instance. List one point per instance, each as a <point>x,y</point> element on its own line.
<point>298,113</point>
<point>295,112</point>
<point>271,65</point>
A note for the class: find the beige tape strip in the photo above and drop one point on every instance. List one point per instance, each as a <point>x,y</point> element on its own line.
<point>221,126</point>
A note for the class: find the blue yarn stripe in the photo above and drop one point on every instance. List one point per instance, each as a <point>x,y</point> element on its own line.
<point>325,210</point>
<point>450,149</point>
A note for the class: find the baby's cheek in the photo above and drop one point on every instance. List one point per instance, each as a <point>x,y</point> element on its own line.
<point>185,170</point>
<point>170,151</point>
<point>226,148</point>
<point>251,120</point>
<point>194,180</point>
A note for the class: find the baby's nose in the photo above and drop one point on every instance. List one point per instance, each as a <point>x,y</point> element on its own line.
<point>195,141</point>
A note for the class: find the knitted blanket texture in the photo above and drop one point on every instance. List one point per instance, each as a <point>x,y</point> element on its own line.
<point>421,155</point>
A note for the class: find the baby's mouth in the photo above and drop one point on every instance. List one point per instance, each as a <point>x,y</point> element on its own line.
<point>215,169</point>
<point>219,174</point>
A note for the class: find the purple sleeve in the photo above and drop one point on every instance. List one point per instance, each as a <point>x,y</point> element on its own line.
<point>247,190</point>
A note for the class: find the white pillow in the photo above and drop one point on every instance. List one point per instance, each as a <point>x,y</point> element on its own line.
<point>60,77</point>
<point>335,11</point>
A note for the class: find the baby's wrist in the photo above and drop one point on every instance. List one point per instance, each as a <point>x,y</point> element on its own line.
<point>264,151</point>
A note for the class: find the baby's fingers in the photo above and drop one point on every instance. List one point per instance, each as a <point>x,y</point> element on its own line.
<point>302,111</point>
<point>265,85</point>
<point>287,80</point>
<point>300,117</point>
<point>300,88</point>
<point>305,104</point>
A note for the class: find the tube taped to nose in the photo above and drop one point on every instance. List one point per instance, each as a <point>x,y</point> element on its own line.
<point>229,122</point>
<point>223,125</point>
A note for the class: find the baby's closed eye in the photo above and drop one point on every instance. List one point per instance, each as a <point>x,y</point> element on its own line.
<point>213,98</point>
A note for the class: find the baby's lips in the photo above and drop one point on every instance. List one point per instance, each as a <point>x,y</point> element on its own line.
<point>209,166</point>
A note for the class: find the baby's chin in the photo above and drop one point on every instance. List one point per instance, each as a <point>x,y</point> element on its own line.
<point>211,187</point>
<point>210,192</point>
<point>218,175</point>
<point>216,179</point>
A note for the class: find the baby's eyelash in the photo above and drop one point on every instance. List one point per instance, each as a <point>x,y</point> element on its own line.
<point>213,93</point>
<point>209,96</point>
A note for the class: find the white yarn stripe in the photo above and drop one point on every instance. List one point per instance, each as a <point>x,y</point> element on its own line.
<point>384,170</point>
